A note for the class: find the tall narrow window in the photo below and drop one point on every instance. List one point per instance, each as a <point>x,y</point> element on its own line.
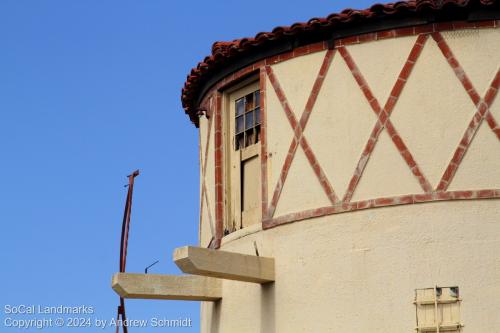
<point>243,156</point>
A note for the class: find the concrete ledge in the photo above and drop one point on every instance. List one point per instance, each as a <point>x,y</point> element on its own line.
<point>224,265</point>
<point>167,287</point>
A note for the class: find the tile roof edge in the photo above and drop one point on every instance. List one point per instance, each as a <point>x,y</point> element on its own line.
<point>223,52</point>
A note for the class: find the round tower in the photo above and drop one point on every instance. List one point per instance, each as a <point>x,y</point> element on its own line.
<point>361,151</point>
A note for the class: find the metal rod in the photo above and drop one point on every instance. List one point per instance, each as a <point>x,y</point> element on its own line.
<point>124,244</point>
<point>146,269</point>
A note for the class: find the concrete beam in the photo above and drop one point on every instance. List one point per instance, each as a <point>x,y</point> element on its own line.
<point>224,265</point>
<point>168,287</point>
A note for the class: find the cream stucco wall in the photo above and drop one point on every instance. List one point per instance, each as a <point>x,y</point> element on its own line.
<point>207,201</point>
<point>357,271</point>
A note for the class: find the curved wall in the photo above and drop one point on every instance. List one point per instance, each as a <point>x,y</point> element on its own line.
<point>357,272</point>
<point>386,120</point>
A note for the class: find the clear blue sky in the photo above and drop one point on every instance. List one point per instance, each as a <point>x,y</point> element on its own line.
<point>89,91</point>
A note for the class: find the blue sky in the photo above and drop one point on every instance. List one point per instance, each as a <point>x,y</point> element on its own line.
<point>89,91</point>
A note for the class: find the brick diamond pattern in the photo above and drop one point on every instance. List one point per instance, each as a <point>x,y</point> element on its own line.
<point>204,198</point>
<point>430,33</point>
<point>383,123</point>
<point>483,110</point>
<point>298,127</point>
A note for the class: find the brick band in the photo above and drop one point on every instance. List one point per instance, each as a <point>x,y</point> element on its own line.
<point>263,69</point>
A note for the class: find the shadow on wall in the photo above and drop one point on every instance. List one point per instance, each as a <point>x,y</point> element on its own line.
<point>267,309</point>
<point>215,316</point>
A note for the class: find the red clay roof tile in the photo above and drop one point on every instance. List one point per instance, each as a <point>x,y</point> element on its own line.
<point>222,52</point>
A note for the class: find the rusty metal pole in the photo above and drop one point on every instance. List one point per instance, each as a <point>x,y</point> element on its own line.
<point>124,244</point>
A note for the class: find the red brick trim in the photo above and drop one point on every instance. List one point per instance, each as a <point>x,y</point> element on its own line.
<point>263,141</point>
<point>417,30</point>
<point>262,67</point>
<point>369,37</point>
<point>202,180</point>
<point>493,124</point>
<point>219,174</point>
<point>383,115</point>
<point>298,127</point>
<point>204,196</point>
<point>210,218</point>
<point>381,202</point>
<point>209,132</point>
<point>483,110</point>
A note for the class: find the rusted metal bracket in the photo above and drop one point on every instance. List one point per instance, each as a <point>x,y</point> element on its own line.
<point>123,247</point>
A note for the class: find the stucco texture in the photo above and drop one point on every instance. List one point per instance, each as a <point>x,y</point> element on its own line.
<point>358,271</point>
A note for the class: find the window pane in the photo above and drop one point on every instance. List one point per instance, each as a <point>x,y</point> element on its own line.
<point>239,141</point>
<point>240,106</point>
<point>249,138</point>
<point>249,120</point>
<point>239,124</point>
<point>249,105</point>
